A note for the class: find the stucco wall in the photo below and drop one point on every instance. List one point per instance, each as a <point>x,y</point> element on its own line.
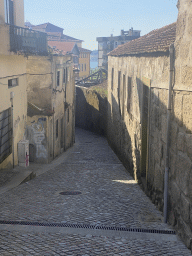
<point>37,132</point>
<point>84,60</point>
<point>48,90</point>
<point>14,67</point>
<point>39,81</point>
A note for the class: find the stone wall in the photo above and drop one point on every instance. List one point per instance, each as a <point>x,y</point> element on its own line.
<point>180,204</point>
<point>91,110</point>
<point>140,140</point>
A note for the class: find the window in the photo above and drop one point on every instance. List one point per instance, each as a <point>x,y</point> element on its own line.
<point>129,91</point>
<point>82,67</point>
<point>64,76</point>
<point>68,115</point>
<point>62,133</point>
<point>9,12</point>
<point>12,82</point>
<point>5,134</point>
<point>58,78</point>
<point>85,67</point>
<point>112,74</point>
<point>57,128</point>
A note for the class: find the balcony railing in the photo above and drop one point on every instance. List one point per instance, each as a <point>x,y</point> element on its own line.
<point>27,41</point>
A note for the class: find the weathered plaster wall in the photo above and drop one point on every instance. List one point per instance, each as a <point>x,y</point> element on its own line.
<point>49,90</point>
<point>91,110</point>
<point>14,67</point>
<point>39,81</point>
<point>37,133</point>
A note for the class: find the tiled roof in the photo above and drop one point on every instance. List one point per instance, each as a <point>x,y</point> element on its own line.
<point>62,37</point>
<point>84,50</point>
<point>65,47</point>
<point>67,38</point>
<point>157,40</point>
<point>44,25</point>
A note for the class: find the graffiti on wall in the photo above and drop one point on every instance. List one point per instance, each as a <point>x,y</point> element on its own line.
<point>37,136</point>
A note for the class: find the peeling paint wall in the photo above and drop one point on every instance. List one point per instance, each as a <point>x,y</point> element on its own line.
<point>51,87</point>
<point>37,134</point>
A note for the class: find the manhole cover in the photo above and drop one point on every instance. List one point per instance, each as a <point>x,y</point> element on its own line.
<point>70,193</point>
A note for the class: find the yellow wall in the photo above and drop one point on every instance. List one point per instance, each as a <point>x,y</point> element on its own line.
<point>19,12</point>
<point>14,67</point>
<point>4,39</point>
<point>4,28</point>
<point>2,13</point>
<point>84,58</point>
<point>39,81</point>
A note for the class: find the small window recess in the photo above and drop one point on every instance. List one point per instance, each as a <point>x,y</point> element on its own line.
<point>13,82</point>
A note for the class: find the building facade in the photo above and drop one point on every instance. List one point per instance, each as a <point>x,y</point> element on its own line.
<point>51,106</point>
<point>84,62</point>
<point>107,44</point>
<point>16,43</point>
<point>149,115</point>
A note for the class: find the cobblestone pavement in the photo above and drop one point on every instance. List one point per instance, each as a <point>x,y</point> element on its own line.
<point>109,197</point>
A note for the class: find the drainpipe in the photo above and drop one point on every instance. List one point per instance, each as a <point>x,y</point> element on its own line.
<point>166,177</point>
<point>13,148</point>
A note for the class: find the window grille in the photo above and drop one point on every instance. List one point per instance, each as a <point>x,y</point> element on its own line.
<point>5,134</point>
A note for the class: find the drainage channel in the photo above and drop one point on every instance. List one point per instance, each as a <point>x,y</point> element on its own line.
<point>86,226</point>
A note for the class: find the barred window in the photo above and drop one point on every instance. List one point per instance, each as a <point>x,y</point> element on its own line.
<point>5,134</point>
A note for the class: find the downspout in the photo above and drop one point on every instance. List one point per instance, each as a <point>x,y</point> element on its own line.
<point>166,177</point>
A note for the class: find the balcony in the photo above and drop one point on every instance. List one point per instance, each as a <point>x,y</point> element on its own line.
<point>27,41</point>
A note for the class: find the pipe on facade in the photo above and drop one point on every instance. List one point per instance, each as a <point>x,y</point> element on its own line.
<point>166,176</point>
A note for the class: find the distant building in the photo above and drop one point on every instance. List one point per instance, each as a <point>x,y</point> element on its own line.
<point>107,44</point>
<point>84,62</point>
<point>16,42</point>
<point>65,48</point>
<point>63,44</point>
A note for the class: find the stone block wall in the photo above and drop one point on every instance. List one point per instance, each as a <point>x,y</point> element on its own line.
<point>126,138</point>
<point>91,110</point>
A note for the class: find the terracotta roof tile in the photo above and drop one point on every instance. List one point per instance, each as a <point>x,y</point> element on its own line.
<point>157,40</point>
<point>84,50</point>
<point>64,47</point>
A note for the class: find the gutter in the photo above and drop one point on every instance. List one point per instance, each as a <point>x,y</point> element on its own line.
<point>166,176</point>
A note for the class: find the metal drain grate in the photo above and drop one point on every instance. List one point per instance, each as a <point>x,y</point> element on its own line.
<point>70,193</point>
<point>68,225</point>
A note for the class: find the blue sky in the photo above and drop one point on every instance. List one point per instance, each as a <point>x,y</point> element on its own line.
<point>86,20</point>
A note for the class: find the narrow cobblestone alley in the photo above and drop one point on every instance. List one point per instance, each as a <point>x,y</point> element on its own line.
<point>55,224</point>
